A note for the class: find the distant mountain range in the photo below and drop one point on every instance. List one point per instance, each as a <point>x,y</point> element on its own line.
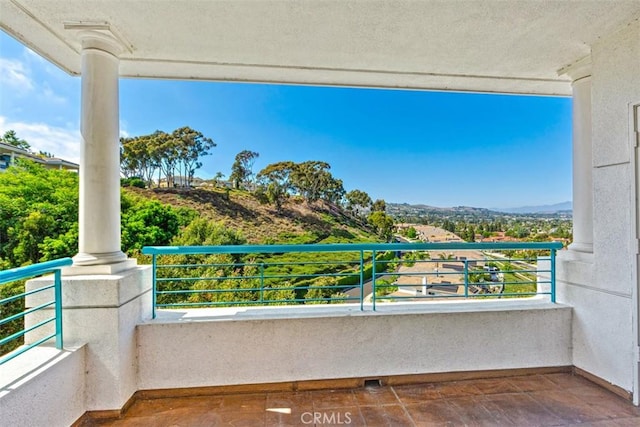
<point>558,207</point>
<point>462,212</point>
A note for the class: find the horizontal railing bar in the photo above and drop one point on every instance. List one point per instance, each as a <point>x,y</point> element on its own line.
<point>258,264</point>
<point>258,302</point>
<point>279,276</point>
<point>476,272</point>
<point>22,349</point>
<point>19,273</point>
<point>437,285</point>
<point>346,274</point>
<point>25,331</point>
<point>232,290</point>
<point>24,294</point>
<point>23,273</point>
<point>343,247</point>
<point>24,313</point>
<point>461,296</point>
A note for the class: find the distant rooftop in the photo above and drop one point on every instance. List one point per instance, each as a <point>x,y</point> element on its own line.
<point>9,152</point>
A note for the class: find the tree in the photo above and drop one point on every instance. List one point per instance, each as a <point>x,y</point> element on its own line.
<point>36,204</point>
<point>191,145</point>
<point>334,191</point>
<point>242,168</point>
<point>382,224</point>
<point>218,178</point>
<point>357,201</point>
<point>276,194</point>
<point>275,181</point>
<point>140,156</point>
<point>379,206</point>
<point>279,172</point>
<point>165,153</point>
<point>11,138</point>
<point>313,181</point>
<point>149,223</point>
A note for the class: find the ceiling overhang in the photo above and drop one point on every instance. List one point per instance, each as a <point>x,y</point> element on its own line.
<point>480,46</point>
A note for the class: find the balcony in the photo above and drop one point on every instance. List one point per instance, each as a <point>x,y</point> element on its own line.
<point>115,351</point>
<point>408,357</point>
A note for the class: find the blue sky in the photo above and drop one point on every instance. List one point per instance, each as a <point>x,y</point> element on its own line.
<point>440,149</point>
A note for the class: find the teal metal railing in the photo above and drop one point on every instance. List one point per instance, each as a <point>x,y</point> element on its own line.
<point>361,273</point>
<point>23,273</point>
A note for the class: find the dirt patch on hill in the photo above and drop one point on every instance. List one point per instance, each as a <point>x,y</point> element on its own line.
<point>259,222</point>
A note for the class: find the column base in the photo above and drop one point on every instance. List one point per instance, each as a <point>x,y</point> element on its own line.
<point>99,269</point>
<point>86,258</point>
<point>575,268</point>
<point>581,247</point>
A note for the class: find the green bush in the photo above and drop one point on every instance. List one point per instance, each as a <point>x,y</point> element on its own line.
<point>149,223</point>
<point>135,181</point>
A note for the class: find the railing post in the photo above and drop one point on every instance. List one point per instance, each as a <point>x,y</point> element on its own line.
<point>373,279</point>
<point>261,283</point>
<point>361,280</point>
<point>153,291</point>
<point>466,278</point>
<point>553,275</point>
<point>58,307</point>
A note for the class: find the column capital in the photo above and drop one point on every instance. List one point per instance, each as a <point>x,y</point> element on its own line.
<point>99,35</point>
<point>577,70</point>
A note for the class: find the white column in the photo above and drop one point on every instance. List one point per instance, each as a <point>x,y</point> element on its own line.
<point>582,158</point>
<point>99,213</point>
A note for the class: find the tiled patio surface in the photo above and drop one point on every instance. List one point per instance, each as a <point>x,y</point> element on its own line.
<point>534,400</point>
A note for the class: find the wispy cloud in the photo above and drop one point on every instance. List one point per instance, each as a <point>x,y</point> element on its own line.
<point>51,96</point>
<point>61,142</point>
<point>16,75</point>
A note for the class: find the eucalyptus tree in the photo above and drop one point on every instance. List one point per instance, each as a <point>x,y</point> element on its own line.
<point>278,173</point>
<point>190,146</point>
<point>275,181</point>
<point>379,206</point>
<point>382,224</point>
<point>165,153</point>
<point>358,201</point>
<point>138,158</point>
<point>313,181</point>
<point>242,168</point>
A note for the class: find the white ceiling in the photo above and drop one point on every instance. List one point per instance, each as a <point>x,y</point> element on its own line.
<point>490,46</point>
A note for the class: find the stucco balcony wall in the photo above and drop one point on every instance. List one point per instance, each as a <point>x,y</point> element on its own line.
<point>43,387</point>
<point>196,348</point>
<point>602,286</point>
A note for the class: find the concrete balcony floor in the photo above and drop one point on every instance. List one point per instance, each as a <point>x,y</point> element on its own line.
<point>559,399</point>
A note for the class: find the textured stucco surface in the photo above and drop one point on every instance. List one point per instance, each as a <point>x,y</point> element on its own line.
<point>102,312</point>
<point>600,287</point>
<point>490,45</point>
<point>192,352</point>
<point>45,387</point>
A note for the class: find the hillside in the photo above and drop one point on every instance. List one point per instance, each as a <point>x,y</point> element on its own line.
<point>556,208</point>
<point>407,212</point>
<point>296,222</point>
